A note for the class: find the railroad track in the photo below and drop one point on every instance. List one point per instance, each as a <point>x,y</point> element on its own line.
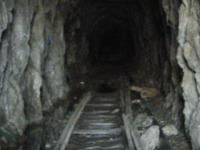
<point>102,121</point>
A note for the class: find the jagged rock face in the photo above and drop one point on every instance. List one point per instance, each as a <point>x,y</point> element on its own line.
<point>172,72</point>
<point>188,58</point>
<point>184,18</point>
<point>32,63</point>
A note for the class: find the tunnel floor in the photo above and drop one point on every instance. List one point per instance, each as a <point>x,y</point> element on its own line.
<point>105,80</point>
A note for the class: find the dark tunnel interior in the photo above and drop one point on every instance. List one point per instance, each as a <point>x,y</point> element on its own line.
<point>112,46</point>
<point>122,32</point>
<point>110,36</point>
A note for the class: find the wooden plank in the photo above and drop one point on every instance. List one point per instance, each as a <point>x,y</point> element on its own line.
<point>114,147</point>
<point>129,122</point>
<point>62,142</point>
<point>128,133</point>
<point>122,100</point>
<point>105,140</point>
<point>97,126</point>
<point>91,116</point>
<point>100,112</point>
<point>135,134</point>
<point>128,102</point>
<point>116,131</point>
<point>101,105</point>
<point>99,120</point>
<point>126,107</point>
<point>100,108</point>
<point>102,124</point>
<point>106,99</point>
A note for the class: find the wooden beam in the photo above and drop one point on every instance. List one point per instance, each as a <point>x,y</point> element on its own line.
<point>115,131</point>
<point>128,133</point>
<point>131,127</point>
<point>63,140</point>
<point>135,134</point>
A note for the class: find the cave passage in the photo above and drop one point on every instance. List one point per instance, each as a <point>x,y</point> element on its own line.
<point>125,32</point>
<point>109,32</point>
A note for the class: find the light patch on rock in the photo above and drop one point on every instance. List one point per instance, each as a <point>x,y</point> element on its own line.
<point>151,138</point>
<point>142,120</point>
<point>4,139</point>
<point>3,18</point>
<point>170,130</point>
<point>169,100</point>
<point>137,101</point>
<point>47,146</point>
<point>115,111</point>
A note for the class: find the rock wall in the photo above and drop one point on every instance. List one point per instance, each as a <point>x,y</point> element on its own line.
<point>149,40</point>
<point>189,59</point>
<point>172,72</point>
<point>183,18</point>
<point>77,43</point>
<point>32,65</point>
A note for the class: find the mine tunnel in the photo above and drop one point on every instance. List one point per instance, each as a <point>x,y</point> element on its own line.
<point>53,52</point>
